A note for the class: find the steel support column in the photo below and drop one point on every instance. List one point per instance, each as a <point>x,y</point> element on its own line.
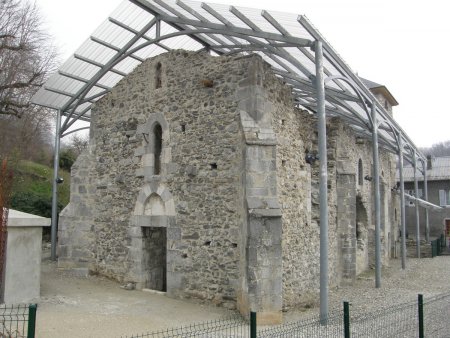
<point>55,187</point>
<point>323,181</point>
<point>416,193</point>
<point>376,176</point>
<point>402,200</point>
<point>425,192</point>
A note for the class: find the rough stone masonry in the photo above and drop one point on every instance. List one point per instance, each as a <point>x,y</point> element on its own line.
<point>196,183</point>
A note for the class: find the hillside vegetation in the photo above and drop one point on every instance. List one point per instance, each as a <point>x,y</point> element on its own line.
<point>32,189</point>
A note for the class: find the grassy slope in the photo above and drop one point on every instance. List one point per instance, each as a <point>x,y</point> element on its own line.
<point>32,189</point>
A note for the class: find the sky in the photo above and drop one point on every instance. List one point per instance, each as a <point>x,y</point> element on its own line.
<point>400,44</point>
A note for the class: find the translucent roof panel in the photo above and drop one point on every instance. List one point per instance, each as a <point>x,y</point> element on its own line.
<point>140,29</point>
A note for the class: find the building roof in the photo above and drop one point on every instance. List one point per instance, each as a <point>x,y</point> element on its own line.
<point>140,29</point>
<point>440,170</point>
<point>382,89</point>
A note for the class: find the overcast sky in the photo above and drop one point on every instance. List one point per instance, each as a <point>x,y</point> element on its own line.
<point>401,44</point>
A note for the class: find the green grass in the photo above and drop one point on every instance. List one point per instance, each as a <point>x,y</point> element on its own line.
<point>32,188</point>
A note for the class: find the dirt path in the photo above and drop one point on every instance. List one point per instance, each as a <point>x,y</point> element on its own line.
<point>97,307</point>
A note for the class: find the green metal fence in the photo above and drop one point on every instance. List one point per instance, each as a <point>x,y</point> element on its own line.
<point>437,316</point>
<point>421,318</point>
<point>18,321</point>
<point>437,246</point>
<point>234,326</point>
<point>308,327</point>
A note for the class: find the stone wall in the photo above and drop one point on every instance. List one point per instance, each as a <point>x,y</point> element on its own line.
<point>356,209</point>
<point>203,143</point>
<point>76,236</point>
<point>196,183</point>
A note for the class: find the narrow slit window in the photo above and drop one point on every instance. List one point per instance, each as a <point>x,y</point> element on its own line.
<point>158,82</point>
<point>157,134</point>
<point>360,172</point>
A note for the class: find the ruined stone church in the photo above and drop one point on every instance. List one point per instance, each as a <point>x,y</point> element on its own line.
<point>201,180</point>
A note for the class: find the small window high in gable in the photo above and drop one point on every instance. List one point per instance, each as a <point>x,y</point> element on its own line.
<point>158,71</point>
<point>360,172</point>
<point>157,134</point>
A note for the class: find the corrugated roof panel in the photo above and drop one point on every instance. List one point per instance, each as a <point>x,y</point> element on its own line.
<point>278,30</point>
<point>94,51</point>
<point>78,68</point>
<point>113,34</point>
<point>131,15</point>
<point>111,79</point>
<point>196,6</point>
<point>440,170</point>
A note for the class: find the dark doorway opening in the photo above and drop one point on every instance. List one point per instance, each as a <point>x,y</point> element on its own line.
<point>155,258</point>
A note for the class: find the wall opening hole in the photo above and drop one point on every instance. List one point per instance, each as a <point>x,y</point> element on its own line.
<point>283,163</point>
<point>155,258</point>
<point>207,243</point>
<point>158,82</point>
<point>157,133</point>
<point>213,166</point>
<point>234,245</point>
<point>360,172</point>
<point>184,255</point>
<point>183,128</point>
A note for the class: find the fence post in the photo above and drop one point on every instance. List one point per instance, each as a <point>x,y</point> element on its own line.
<point>252,324</point>
<point>420,307</point>
<point>31,320</point>
<point>346,320</point>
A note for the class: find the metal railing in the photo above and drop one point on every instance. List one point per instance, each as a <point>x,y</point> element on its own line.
<point>18,321</point>
<point>421,318</point>
<point>437,246</point>
<point>234,326</point>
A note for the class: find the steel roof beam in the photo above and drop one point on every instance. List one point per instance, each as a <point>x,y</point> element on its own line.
<point>115,48</point>
<point>91,99</point>
<point>197,15</point>
<point>59,91</point>
<point>236,30</point>
<point>157,13</point>
<point>105,69</point>
<point>269,18</point>
<point>98,64</point>
<point>332,56</point>
<point>281,52</point>
<point>74,131</point>
<point>202,18</point>
<point>135,32</point>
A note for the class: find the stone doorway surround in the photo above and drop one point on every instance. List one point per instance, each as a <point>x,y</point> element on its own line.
<point>148,215</point>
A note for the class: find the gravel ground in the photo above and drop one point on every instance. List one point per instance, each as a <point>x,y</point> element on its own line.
<point>97,307</point>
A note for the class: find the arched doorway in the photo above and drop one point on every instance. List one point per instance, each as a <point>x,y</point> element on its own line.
<point>154,240</point>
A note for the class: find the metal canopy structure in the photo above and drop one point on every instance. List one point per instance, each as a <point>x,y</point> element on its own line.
<point>320,80</point>
<point>139,29</point>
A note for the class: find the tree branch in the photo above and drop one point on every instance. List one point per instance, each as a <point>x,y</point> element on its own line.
<point>29,83</point>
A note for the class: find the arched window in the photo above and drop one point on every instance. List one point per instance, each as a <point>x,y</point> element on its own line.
<point>157,134</point>
<point>360,172</point>
<point>158,81</point>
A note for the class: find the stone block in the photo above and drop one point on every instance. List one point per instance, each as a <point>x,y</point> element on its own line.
<point>266,212</point>
<point>255,192</point>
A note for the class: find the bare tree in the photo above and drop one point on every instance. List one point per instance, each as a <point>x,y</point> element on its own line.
<point>438,149</point>
<point>26,56</point>
<point>79,143</point>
